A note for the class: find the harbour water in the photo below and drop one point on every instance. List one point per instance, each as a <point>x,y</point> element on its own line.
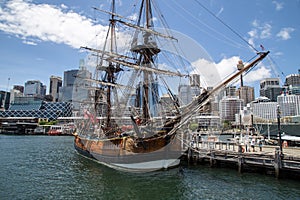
<point>43,167</point>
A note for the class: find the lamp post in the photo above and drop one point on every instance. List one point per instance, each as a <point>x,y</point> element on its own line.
<point>278,123</point>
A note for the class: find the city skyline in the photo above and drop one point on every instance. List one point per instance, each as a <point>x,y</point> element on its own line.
<point>256,93</point>
<point>34,50</point>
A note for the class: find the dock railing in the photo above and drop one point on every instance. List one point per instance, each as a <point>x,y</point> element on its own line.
<point>216,145</point>
<point>266,156</point>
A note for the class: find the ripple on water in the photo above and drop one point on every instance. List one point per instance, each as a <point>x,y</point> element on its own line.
<point>42,167</point>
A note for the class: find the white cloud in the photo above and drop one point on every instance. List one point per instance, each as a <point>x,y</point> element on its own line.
<point>266,31</point>
<point>253,33</point>
<point>43,22</point>
<point>284,33</point>
<point>63,6</point>
<point>29,42</point>
<point>212,72</point>
<point>259,31</point>
<point>257,74</point>
<point>278,5</point>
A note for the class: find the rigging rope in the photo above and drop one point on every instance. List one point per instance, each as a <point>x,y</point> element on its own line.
<point>222,22</point>
<point>229,41</point>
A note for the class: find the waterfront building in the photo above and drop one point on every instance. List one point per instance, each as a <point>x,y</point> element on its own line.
<point>35,107</point>
<point>229,107</point>
<point>55,84</point>
<point>207,122</point>
<point>264,108</point>
<point>289,105</point>
<point>34,88</point>
<point>270,88</point>
<point>246,93</point>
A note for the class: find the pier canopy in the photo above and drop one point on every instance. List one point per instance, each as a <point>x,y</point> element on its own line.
<point>41,109</point>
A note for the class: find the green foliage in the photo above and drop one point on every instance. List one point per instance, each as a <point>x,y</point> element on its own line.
<point>193,126</point>
<point>227,125</point>
<point>48,123</point>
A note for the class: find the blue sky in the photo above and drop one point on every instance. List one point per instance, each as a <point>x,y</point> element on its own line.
<point>40,38</point>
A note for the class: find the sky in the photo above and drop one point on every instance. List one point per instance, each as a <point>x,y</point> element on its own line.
<point>40,38</point>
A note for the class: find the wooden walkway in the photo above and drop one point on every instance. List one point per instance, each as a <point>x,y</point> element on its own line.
<point>269,159</point>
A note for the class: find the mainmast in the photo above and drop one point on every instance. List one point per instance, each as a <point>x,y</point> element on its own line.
<point>146,49</point>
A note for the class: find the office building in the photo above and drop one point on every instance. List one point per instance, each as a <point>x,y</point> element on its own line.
<point>4,100</point>
<point>289,105</point>
<point>19,88</point>
<point>195,80</point>
<point>34,88</point>
<point>55,85</point>
<point>246,93</point>
<point>229,107</point>
<point>270,88</point>
<point>75,86</point>
<point>184,94</point>
<point>292,80</point>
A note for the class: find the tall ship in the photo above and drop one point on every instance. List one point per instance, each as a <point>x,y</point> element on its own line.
<point>131,118</point>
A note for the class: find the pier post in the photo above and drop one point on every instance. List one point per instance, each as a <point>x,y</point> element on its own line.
<point>212,159</point>
<point>277,162</point>
<point>240,164</point>
<point>189,155</point>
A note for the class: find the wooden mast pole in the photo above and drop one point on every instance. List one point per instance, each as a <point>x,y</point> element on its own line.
<point>110,70</point>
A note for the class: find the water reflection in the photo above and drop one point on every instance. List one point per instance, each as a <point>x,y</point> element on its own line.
<point>37,167</point>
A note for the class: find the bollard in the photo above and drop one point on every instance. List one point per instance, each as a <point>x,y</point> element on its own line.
<point>240,164</point>
<point>277,162</point>
<point>212,160</point>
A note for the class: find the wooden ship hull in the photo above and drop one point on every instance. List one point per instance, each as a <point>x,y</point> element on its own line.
<point>131,154</point>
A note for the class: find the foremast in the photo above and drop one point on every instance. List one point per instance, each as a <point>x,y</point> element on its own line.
<point>111,70</point>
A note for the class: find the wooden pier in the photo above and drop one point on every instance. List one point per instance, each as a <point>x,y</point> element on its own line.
<point>268,160</point>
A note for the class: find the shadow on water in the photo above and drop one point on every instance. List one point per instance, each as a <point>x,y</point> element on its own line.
<point>122,185</point>
<point>41,167</point>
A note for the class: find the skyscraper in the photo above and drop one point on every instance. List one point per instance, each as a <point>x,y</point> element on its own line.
<point>270,88</point>
<point>195,80</point>
<point>246,93</point>
<point>184,94</point>
<point>55,84</point>
<point>35,88</point>
<point>75,86</point>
